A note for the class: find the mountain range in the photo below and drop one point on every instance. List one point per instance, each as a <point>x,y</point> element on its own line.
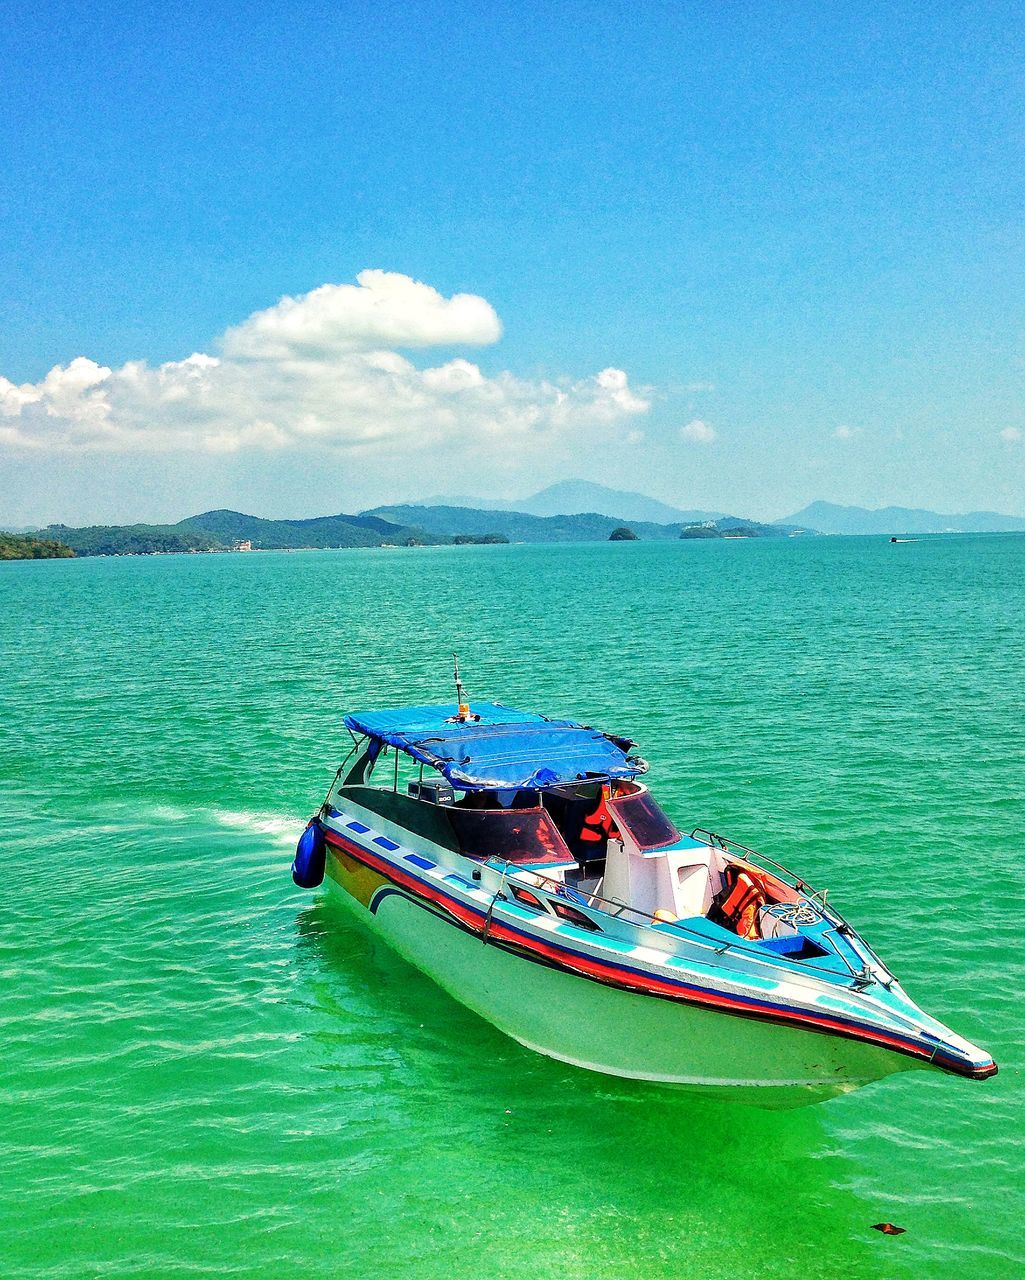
<point>589,513</point>
<point>383,526</point>
<point>589,526</point>
<point>579,497</point>
<point>827,517</point>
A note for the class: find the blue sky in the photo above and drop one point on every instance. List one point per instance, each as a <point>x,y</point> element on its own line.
<point>739,257</point>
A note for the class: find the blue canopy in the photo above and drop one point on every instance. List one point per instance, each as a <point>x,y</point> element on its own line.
<point>502,750</point>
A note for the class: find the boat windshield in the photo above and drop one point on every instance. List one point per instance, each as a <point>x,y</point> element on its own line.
<point>640,816</point>
<point>515,835</point>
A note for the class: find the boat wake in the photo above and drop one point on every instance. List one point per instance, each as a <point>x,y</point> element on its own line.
<point>280,828</point>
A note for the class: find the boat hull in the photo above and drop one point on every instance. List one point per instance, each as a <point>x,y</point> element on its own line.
<point>590,1024</point>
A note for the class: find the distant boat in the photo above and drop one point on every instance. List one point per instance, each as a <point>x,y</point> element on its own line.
<point>905,539</point>
<point>612,941</point>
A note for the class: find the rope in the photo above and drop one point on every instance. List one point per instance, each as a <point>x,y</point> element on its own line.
<point>795,913</point>
<point>334,780</point>
<point>491,907</point>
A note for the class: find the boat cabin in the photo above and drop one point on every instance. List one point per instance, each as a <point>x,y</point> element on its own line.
<point>557,804</point>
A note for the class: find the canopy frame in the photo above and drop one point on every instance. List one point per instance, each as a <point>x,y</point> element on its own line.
<point>499,748</point>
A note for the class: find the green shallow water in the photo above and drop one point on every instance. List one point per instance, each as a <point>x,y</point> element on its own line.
<point>209,1072</point>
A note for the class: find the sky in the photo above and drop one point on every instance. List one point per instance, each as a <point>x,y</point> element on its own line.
<point>304,259</point>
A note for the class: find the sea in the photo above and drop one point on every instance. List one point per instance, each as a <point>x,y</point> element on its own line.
<point>208,1072</point>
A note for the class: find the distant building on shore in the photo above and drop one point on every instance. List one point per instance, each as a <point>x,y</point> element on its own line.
<point>246,544</point>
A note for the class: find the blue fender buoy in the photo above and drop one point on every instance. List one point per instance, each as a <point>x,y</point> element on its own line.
<point>308,866</point>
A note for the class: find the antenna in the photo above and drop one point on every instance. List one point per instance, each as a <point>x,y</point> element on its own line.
<point>461,698</point>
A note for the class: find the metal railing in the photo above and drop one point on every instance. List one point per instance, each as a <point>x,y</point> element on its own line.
<point>557,889</point>
<point>644,919</point>
<point>829,912</point>
<point>726,845</point>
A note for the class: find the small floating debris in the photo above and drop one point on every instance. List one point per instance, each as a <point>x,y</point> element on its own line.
<point>888,1229</point>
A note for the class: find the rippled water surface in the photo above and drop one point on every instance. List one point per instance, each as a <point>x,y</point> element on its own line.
<point>209,1072</point>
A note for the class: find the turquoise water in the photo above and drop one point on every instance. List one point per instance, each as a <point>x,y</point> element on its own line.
<point>209,1072</point>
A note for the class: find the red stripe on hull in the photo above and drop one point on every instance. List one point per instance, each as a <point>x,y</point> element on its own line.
<point>612,975</point>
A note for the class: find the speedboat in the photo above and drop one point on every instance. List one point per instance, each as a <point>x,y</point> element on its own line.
<point>520,863</point>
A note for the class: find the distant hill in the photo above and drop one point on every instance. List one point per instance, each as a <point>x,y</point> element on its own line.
<point>581,497</point>
<point>516,525</point>
<point>827,517</point>
<point>221,530</point>
<point>319,531</point>
<point>132,539</point>
<point>519,526</point>
<point>16,547</point>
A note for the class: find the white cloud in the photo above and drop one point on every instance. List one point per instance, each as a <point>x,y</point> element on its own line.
<point>1012,435</point>
<point>697,432</point>
<point>845,433</point>
<point>383,309</point>
<point>324,371</point>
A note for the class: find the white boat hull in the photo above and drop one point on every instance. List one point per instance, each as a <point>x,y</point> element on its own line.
<point>588,1024</point>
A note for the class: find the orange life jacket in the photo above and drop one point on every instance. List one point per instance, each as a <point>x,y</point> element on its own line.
<point>599,823</point>
<point>740,907</point>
